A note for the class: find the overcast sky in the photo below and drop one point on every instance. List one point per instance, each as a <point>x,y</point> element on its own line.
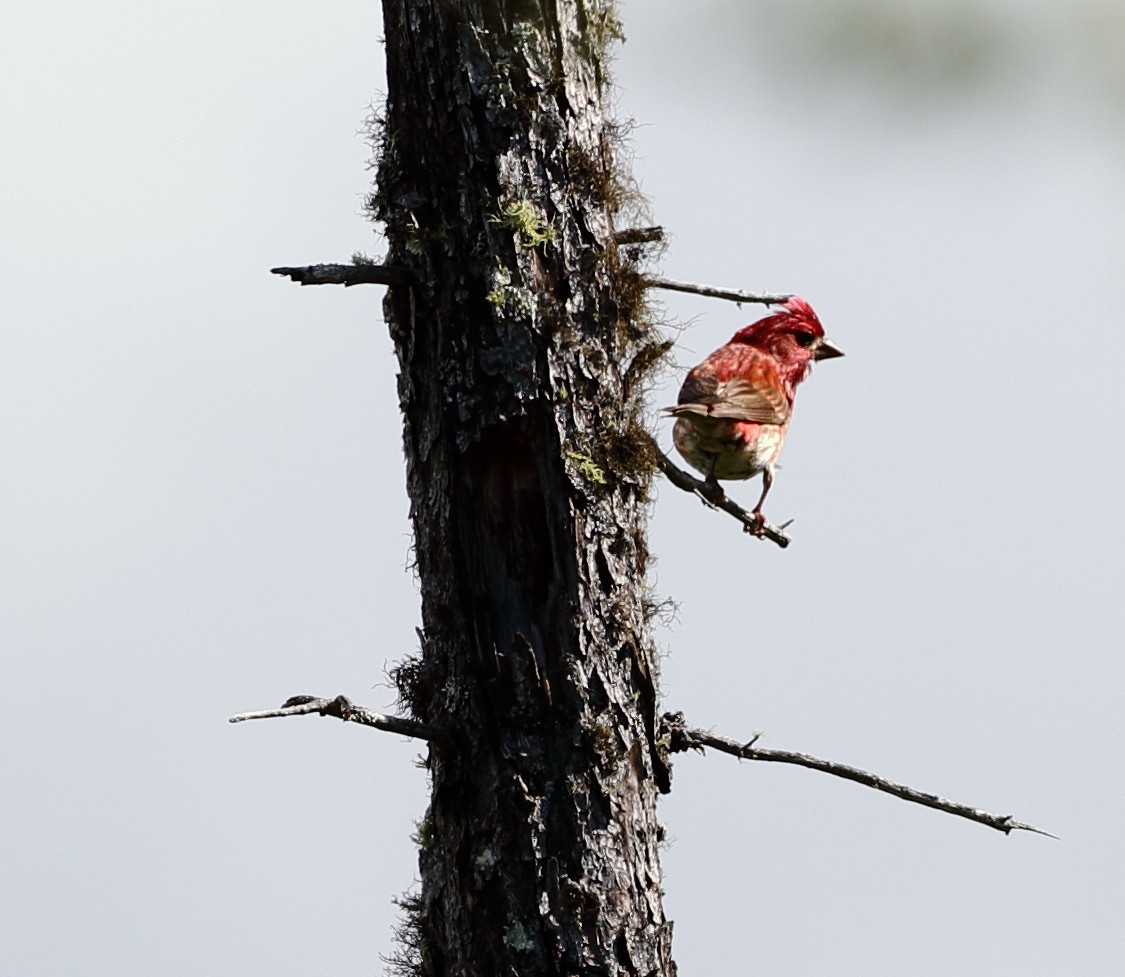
<point>203,504</point>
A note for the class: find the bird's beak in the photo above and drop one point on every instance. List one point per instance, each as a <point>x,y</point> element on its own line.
<point>827,350</point>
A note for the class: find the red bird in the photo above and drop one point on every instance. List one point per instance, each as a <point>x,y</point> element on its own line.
<point>735,407</point>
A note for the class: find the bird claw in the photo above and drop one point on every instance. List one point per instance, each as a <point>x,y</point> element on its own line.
<point>711,492</point>
<point>759,527</point>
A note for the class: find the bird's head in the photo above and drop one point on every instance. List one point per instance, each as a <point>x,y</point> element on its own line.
<point>793,334</point>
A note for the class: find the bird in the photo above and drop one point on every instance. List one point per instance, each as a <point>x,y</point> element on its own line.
<point>734,408</point>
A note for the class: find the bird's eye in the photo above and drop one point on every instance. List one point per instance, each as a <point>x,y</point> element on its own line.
<point>803,338</point>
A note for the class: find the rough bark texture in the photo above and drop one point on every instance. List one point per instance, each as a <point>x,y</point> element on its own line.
<point>540,848</point>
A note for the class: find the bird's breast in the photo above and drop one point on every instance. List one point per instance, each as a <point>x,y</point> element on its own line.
<point>728,449</point>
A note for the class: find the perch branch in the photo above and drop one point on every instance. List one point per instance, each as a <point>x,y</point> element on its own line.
<point>706,492</point>
<point>683,737</point>
<point>362,274</point>
<point>639,235</point>
<point>343,708</point>
<point>730,294</point>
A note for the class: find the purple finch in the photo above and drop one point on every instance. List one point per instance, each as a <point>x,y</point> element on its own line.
<point>735,407</point>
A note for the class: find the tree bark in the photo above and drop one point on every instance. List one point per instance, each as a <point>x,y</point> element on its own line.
<point>522,346</point>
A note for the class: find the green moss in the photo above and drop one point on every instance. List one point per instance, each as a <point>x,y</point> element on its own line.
<point>587,467</point>
<point>423,835</point>
<point>529,225</point>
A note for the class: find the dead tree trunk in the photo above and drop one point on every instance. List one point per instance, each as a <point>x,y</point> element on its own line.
<point>522,341</point>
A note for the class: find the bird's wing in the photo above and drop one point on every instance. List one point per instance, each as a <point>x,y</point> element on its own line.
<point>735,399</point>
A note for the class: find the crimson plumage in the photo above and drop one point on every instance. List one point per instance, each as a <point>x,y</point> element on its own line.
<point>735,407</point>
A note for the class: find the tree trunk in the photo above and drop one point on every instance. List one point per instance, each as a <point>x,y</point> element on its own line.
<point>522,349</point>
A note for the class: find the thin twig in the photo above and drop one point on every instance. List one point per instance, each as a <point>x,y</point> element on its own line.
<point>706,492</point>
<point>639,235</point>
<point>343,708</point>
<point>730,294</point>
<point>362,274</point>
<point>685,737</point>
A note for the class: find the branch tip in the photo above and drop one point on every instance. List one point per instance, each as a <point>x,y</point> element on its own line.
<point>682,737</point>
<point>343,708</point>
<point>710,291</point>
<point>639,235</point>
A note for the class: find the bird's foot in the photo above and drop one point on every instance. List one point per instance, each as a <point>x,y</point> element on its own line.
<point>759,527</point>
<point>711,492</point>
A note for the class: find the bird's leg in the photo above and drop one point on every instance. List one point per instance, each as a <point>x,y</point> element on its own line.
<point>767,484</point>
<point>715,492</point>
<point>710,492</point>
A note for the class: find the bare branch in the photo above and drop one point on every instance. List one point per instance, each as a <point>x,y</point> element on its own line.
<point>343,708</point>
<point>706,493</point>
<point>361,274</point>
<point>639,235</point>
<point>730,294</point>
<point>683,737</point>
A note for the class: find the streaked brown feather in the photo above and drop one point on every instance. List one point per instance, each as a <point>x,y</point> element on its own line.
<point>735,400</point>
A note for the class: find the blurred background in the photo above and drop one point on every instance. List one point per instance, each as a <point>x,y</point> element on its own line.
<point>203,508</point>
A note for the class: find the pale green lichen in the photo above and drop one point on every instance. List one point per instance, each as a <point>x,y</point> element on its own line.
<point>517,938</point>
<point>501,280</point>
<point>522,217</point>
<point>486,860</point>
<point>587,467</point>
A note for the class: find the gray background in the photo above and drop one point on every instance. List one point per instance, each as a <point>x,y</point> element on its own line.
<point>203,507</point>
